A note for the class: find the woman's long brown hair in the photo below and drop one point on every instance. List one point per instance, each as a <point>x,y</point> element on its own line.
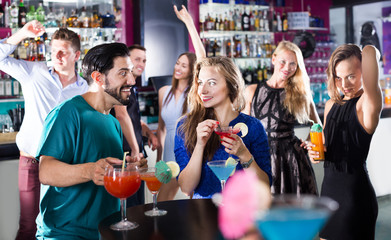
<point>198,113</point>
<point>343,52</point>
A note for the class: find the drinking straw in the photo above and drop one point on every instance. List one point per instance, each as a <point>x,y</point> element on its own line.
<point>123,161</point>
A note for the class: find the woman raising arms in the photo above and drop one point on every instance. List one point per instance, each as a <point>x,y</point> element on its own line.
<point>173,100</point>
<point>350,121</point>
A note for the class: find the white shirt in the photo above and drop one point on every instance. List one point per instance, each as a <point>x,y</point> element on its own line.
<point>42,91</point>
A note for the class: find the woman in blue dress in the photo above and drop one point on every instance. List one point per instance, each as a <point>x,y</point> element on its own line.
<point>216,97</point>
<point>173,101</point>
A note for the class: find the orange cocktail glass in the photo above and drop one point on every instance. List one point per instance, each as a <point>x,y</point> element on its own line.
<point>122,183</point>
<point>153,184</point>
<point>317,139</point>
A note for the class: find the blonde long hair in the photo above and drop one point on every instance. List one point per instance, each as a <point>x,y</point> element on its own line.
<point>297,88</point>
<point>198,113</point>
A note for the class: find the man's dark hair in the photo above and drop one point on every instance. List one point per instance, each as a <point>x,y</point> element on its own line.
<point>136,46</point>
<point>101,58</point>
<point>68,35</point>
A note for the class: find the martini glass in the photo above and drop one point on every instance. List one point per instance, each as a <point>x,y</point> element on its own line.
<point>295,218</point>
<point>153,184</point>
<point>222,169</point>
<point>122,183</point>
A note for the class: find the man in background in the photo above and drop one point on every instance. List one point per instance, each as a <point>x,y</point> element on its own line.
<point>140,128</point>
<point>43,89</point>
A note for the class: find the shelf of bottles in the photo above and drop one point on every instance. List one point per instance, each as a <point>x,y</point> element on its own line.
<point>93,27</point>
<point>239,31</point>
<point>316,67</point>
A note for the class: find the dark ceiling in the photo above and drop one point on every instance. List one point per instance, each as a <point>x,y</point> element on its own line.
<point>345,3</point>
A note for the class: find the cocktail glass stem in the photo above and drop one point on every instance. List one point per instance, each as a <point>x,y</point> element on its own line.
<point>123,209</point>
<point>154,195</point>
<point>124,224</point>
<point>222,184</point>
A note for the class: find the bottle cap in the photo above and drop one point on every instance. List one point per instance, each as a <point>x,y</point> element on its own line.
<point>316,128</point>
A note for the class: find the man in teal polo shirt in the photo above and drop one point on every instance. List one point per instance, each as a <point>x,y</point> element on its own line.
<point>80,138</point>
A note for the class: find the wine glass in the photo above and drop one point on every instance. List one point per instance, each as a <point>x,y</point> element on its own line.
<point>300,217</point>
<point>153,184</point>
<point>226,132</point>
<point>222,169</point>
<point>122,183</point>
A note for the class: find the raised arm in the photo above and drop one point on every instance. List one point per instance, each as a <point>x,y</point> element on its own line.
<point>31,29</point>
<point>127,128</point>
<point>185,17</point>
<point>372,102</point>
<point>161,129</point>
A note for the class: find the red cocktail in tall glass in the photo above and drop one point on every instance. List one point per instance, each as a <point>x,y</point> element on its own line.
<point>122,183</point>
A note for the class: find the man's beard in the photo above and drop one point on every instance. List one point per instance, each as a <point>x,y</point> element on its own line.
<point>117,96</point>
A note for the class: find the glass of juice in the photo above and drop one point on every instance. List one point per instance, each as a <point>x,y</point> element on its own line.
<point>153,184</point>
<point>295,217</point>
<point>122,183</point>
<point>317,139</point>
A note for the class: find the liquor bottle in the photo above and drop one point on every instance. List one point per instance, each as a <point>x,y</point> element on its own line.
<point>32,50</point>
<point>1,15</point>
<point>274,22</point>
<point>72,21</point>
<point>238,47</point>
<point>22,14</point>
<point>387,92</point>
<point>22,50</point>
<point>51,19</point>
<point>40,49</point>
<point>231,22</point>
<point>238,23</point>
<point>14,11</point>
<point>31,15</point>
<point>228,51</point>
<point>215,48</point>
<point>226,22</point>
<point>84,19</point>
<point>279,23</point>
<point>266,23</point>
<point>259,71</point>
<point>6,15</point>
<point>256,21</point>
<point>40,13</point>
<point>284,22</point>
<point>252,21</point>
<point>245,21</point>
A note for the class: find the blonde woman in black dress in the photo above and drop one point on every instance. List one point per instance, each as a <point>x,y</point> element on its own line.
<point>279,102</point>
<point>350,121</point>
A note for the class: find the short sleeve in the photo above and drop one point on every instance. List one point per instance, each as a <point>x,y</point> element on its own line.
<point>58,138</point>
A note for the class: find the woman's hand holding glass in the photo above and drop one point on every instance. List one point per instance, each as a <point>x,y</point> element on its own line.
<point>234,145</point>
<point>311,153</point>
<point>204,130</point>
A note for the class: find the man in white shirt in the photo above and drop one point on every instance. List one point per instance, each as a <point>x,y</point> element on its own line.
<point>43,89</point>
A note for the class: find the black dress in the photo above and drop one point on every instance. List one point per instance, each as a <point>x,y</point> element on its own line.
<point>291,168</point>
<point>346,178</point>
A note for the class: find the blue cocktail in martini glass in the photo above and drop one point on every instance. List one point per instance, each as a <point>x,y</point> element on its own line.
<point>295,218</point>
<point>222,169</point>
